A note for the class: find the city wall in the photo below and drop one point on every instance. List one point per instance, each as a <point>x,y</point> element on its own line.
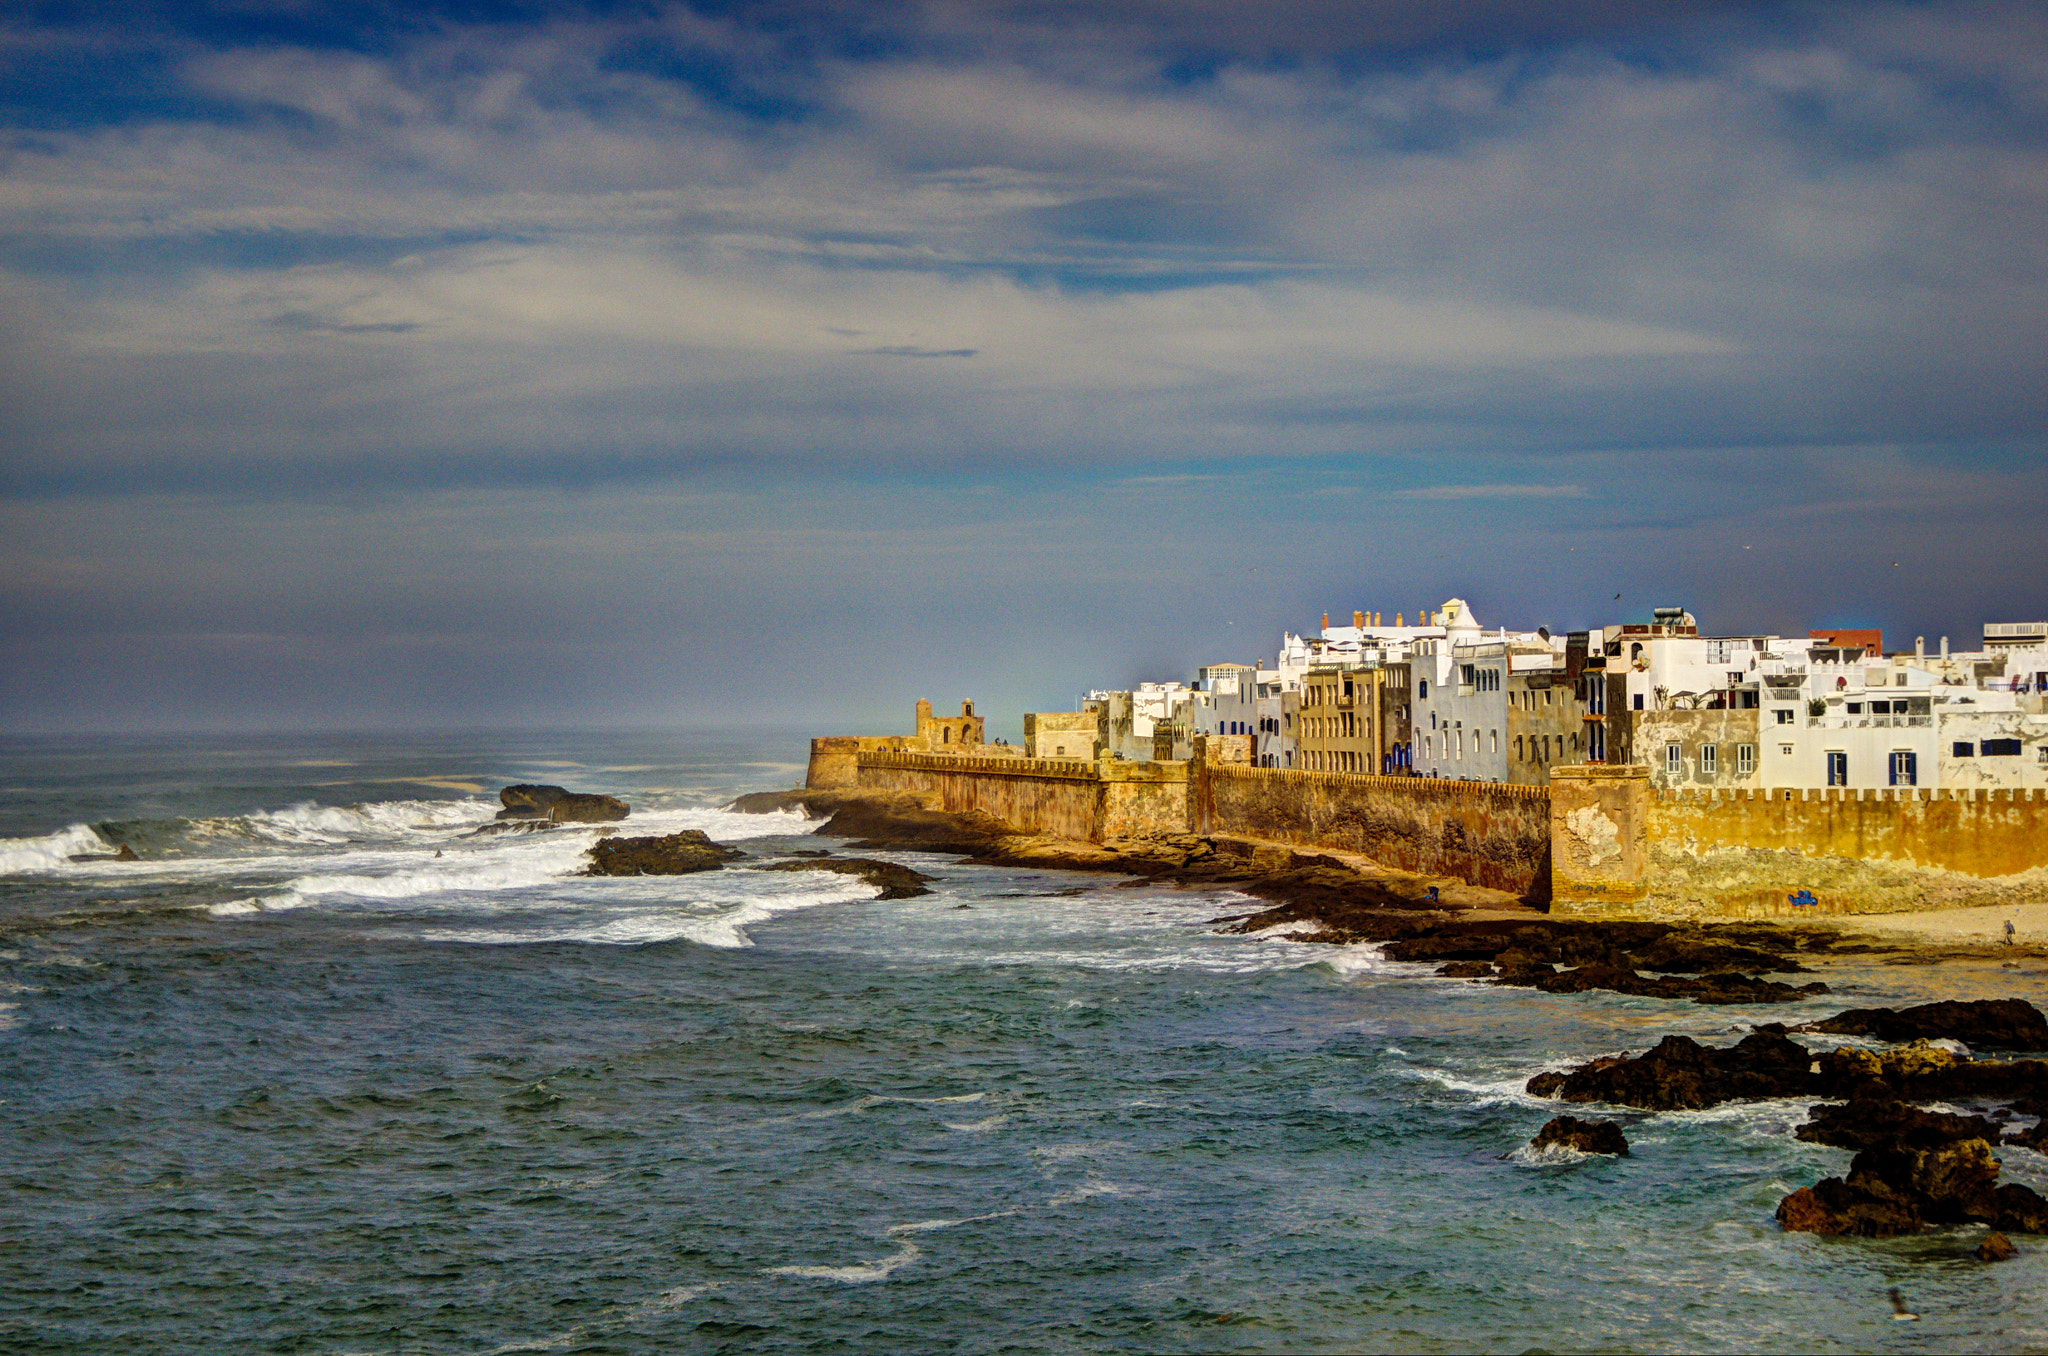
<point>1599,840</point>
<point>1486,833</point>
<point>1621,846</point>
<point>1063,797</point>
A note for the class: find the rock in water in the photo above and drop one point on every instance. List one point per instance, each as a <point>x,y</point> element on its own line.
<point>1996,1247</point>
<point>2007,1023</point>
<point>1588,1137</point>
<point>126,854</point>
<point>897,882</point>
<point>1874,1123</point>
<point>674,854</point>
<point>528,801</point>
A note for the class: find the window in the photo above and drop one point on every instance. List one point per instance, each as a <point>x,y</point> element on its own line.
<point>1546,748</point>
<point>1855,708</point>
<point>1518,748</point>
<point>1899,679</point>
<point>1838,768</point>
<point>1905,768</point>
<point>1710,759</point>
<point>1493,743</point>
<point>1785,749</point>
<point>1962,749</point>
<point>1422,687</point>
<point>1745,759</point>
<point>1638,702</point>
<point>2044,755</point>
<point>1785,715</point>
<point>2001,748</point>
<point>1674,759</point>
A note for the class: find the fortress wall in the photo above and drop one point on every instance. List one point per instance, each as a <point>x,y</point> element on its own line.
<point>1867,851</point>
<point>1487,833</point>
<point>835,759</point>
<point>1621,846</point>
<point>1059,796</point>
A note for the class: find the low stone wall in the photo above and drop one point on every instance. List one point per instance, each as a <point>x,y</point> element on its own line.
<point>1487,833</point>
<point>835,759</point>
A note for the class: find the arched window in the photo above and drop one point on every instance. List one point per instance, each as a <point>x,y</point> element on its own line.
<point>946,735</point>
<point>1518,748</point>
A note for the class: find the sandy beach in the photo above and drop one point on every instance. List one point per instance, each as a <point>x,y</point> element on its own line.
<point>1984,926</point>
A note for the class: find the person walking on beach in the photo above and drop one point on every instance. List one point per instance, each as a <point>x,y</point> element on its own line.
<point>2008,932</point>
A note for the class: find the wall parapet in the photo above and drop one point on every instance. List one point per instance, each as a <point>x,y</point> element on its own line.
<point>1069,769</point>
<point>1708,795</point>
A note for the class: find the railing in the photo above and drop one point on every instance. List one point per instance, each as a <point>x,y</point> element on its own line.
<point>1870,722</point>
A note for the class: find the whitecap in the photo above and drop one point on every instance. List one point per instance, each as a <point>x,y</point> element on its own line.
<point>1093,1187</point>
<point>978,1127</point>
<point>51,851</point>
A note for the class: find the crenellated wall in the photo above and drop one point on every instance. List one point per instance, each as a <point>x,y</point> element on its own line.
<point>1487,833</point>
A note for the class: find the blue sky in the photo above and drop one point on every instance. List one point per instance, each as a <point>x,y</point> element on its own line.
<point>381,365</point>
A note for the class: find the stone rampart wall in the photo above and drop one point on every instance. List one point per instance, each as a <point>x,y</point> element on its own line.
<point>1487,833</point>
<point>1058,796</point>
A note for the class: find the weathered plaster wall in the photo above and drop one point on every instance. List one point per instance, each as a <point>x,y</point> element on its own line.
<point>1486,833</point>
<point>1620,845</point>
<point>1060,734</point>
<point>1727,730</point>
<point>1599,849</point>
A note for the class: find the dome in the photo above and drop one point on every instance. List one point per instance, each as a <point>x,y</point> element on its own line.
<point>1455,616</point>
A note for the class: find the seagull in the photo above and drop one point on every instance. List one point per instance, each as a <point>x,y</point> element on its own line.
<point>1900,1313</point>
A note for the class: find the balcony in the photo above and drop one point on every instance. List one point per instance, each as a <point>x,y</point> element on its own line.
<point>1870,722</point>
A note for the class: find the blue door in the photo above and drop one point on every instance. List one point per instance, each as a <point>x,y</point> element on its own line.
<point>1838,769</point>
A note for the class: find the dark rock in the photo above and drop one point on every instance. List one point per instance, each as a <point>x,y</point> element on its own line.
<point>881,824</point>
<point>1996,1247</point>
<point>2020,1210</point>
<point>2035,1138</point>
<point>1832,1206</point>
<point>817,852</point>
<point>1545,1084</point>
<point>763,802</point>
<point>674,854</point>
<point>2003,1023</point>
<point>1680,1074</point>
<point>1471,969</point>
<point>1948,1184</point>
<point>1692,954</point>
<point>126,854</point>
<point>1588,1137</point>
<point>1713,989</point>
<point>896,882</point>
<point>1870,1123</point>
<point>529,801</point>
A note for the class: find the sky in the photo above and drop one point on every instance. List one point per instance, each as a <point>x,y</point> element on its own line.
<point>391,365</point>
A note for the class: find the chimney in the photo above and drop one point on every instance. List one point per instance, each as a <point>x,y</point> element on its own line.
<point>1326,621</point>
<point>1397,619</point>
<point>1919,647</point>
<point>1944,647</point>
<point>1358,620</point>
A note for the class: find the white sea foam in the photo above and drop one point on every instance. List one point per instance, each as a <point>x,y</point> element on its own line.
<point>861,1273</point>
<point>978,1127</point>
<point>1093,1187</point>
<point>51,851</point>
<point>1549,1156</point>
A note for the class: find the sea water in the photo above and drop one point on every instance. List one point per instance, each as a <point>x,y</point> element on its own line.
<point>330,1070</point>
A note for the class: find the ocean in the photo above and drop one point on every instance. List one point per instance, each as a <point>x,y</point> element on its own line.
<point>328,1070</point>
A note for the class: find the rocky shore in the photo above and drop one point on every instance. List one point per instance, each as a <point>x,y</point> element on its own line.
<point>1914,1169</point>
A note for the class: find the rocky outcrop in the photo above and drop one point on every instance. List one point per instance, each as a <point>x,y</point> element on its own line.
<point>1886,1122</point>
<point>1996,1247</point>
<point>1680,1074</point>
<point>1894,1190</point>
<point>1713,989</point>
<point>530,801</point>
<point>675,854</point>
<point>1588,1137</point>
<point>2003,1024</point>
<point>895,881</point>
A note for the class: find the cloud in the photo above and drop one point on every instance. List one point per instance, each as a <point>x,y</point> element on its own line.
<point>1491,492</point>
